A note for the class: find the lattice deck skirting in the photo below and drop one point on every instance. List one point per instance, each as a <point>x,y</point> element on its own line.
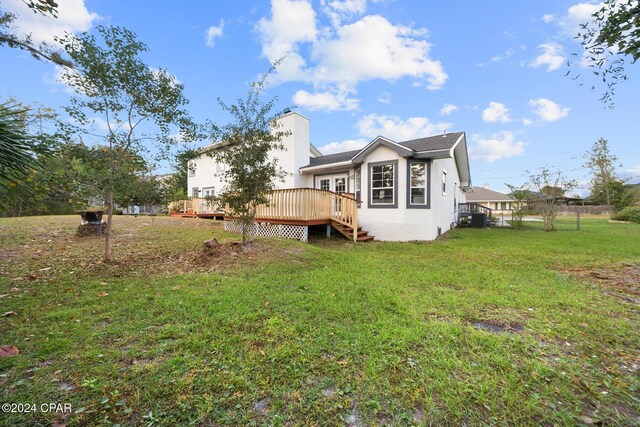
<point>264,229</point>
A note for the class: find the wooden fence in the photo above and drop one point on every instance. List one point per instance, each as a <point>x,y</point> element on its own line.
<point>587,209</point>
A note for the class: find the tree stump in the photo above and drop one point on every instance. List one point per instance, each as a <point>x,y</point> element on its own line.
<point>91,229</point>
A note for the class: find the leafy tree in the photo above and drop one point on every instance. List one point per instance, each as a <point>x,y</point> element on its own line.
<point>520,195</point>
<point>30,194</point>
<point>245,146</point>
<point>611,38</point>
<point>39,51</point>
<point>547,187</point>
<point>75,176</point>
<point>178,180</point>
<point>606,187</point>
<point>16,156</point>
<point>135,102</point>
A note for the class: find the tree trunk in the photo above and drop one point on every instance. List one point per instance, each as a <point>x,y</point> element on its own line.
<point>244,233</point>
<point>107,235</point>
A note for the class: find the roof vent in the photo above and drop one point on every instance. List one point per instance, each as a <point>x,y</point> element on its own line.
<point>286,111</point>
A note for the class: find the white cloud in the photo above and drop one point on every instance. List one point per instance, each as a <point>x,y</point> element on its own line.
<point>633,175</point>
<point>158,71</point>
<point>527,122</point>
<point>57,81</point>
<point>576,16</point>
<point>552,57</point>
<point>498,146</point>
<point>292,22</point>
<point>373,48</point>
<point>392,127</point>
<point>447,109</point>
<point>325,101</point>
<point>547,110</point>
<point>635,170</point>
<point>338,10</point>
<point>547,18</point>
<point>347,145</point>
<point>347,54</point>
<point>384,98</point>
<point>496,112</point>
<point>73,17</point>
<point>102,125</point>
<point>507,54</point>
<point>397,129</point>
<point>214,32</point>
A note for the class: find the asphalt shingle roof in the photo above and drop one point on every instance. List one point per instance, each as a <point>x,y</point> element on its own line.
<point>481,194</point>
<point>332,158</point>
<point>431,143</point>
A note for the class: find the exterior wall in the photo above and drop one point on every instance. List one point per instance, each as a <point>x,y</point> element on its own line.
<point>206,176</point>
<point>295,155</point>
<point>297,150</point>
<point>402,224</point>
<point>495,206</point>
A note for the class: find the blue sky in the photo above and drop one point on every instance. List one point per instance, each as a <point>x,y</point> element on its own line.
<point>358,69</point>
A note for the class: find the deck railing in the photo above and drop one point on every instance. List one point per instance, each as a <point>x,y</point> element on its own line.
<point>292,204</point>
<point>196,205</point>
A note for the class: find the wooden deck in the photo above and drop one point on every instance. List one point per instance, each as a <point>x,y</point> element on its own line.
<point>296,206</point>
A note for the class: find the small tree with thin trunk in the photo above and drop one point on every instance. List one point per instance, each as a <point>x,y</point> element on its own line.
<point>547,187</point>
<point>246,145</point>
<point>133,103</point>
<point>520,195</point>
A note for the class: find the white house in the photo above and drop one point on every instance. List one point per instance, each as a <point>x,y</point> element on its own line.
<point>497,202</point>
<point>395,190</point>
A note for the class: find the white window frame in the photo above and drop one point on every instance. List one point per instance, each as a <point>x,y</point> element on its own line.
<point>425,187</point>
<point>444,182</point>
<point>393,188</point>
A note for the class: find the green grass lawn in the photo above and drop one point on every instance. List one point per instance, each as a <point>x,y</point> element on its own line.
<point>327,333</point>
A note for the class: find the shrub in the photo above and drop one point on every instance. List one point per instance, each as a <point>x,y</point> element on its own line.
<point>631,213</point>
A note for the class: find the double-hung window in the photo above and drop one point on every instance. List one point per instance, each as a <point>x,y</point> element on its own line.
<point>383,184</point>
<point>444,183</point>
<point>418,185</point>
<point>192,168</point>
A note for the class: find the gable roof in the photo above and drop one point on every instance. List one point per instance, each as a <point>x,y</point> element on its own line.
<point>332,158</point>
<point>381,140</point>
<point>481,194</point>
<point>432,143</point>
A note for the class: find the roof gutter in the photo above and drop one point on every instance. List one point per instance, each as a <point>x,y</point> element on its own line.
<point>327,166</point>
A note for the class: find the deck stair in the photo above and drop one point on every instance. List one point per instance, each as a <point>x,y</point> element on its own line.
<point>347,231</point>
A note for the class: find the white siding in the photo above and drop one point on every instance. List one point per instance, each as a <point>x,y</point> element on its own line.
<point>402,224</point>
<point>294,156</point>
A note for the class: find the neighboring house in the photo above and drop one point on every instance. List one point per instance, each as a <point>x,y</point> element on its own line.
<point>397,191</point>
<point>497,202</point>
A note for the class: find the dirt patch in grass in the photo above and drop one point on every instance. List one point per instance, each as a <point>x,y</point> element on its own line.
<point>619,280</point>
<point>46,249</point>
<point>215,255</point>
<point>496,328</point>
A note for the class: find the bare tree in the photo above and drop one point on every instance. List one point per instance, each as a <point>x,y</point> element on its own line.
<point>548,186</point>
